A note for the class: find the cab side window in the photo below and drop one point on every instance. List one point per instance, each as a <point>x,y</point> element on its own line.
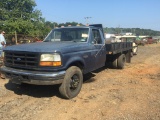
<point>96,36</point>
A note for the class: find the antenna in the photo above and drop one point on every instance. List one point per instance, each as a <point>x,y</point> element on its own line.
<point>87,21</point>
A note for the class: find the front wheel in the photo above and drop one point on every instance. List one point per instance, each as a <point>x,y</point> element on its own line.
<point>72,83</point>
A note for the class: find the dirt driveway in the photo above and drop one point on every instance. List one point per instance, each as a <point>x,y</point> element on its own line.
<point>108,94</point>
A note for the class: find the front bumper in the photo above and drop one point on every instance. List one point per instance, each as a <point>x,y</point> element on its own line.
<point>32,77</point>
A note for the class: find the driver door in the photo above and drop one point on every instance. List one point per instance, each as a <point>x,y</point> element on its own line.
<point>99,47</point>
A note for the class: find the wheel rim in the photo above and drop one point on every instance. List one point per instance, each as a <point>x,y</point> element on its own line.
<point>74,82</point>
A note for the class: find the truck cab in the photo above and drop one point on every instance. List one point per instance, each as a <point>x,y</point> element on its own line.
<point>80,44</point>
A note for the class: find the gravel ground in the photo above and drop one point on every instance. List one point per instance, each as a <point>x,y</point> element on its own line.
<point>107,94</point>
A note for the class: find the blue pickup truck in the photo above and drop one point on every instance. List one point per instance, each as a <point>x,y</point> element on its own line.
<point>64,56</point>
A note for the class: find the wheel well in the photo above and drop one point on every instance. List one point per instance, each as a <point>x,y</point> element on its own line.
<point>78,64</point>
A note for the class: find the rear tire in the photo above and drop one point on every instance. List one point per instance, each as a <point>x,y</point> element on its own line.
<point>72,83</point>
<point>121,61</point>
<point>114,63</point>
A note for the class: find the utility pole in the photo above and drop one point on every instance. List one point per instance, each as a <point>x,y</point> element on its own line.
<point>87,21</point>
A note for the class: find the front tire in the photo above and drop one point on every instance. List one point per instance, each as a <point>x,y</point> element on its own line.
<point>72,83</point>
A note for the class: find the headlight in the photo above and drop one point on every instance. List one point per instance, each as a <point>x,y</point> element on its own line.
<point>50,60</point>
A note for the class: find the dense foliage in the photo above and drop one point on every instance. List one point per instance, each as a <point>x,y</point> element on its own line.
<point>20,16</point>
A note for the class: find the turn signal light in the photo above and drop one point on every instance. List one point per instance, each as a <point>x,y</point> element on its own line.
<point>55,63</point>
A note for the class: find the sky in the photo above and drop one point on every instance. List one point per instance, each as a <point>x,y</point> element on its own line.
<point>144,14</point>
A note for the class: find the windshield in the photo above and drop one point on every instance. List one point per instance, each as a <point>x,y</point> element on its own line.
<point>68,34</point>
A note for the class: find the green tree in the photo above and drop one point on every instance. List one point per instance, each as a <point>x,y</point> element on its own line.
<point>13,9</point>
<point>20,16</point>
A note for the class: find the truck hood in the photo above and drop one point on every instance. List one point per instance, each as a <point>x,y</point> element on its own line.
<point>63,47</point>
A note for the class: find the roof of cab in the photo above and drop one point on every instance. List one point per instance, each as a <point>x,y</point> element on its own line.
<point>90,26</point>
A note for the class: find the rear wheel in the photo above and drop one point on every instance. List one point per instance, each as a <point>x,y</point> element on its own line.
<point>114,63</point>
<point>72,83</point>
<point>121,61</point>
